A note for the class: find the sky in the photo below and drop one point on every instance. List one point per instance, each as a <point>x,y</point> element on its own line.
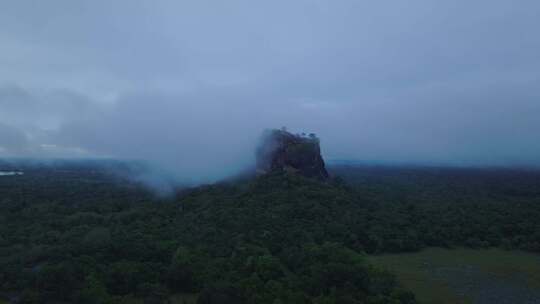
<point>190,85</point>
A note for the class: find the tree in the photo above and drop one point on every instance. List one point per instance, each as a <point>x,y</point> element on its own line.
<point>182,271</point>
<point>94,291</point>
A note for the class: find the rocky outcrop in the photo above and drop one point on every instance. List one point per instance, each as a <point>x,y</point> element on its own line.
<point>283,151</point>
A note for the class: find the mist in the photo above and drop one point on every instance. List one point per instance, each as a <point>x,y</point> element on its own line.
<point>189,87</point>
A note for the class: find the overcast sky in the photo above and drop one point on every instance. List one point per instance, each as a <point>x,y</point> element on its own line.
<point>191,84</point>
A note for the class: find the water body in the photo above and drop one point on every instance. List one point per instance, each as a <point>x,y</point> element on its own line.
<point>10,173</point>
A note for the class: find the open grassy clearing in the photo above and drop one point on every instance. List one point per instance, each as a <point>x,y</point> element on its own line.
<point>438,275</point>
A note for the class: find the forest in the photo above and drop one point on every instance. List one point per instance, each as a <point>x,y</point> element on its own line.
<point>77,233</point>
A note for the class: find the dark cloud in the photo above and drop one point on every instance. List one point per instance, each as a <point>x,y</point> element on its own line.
<point>13,140</point>
<point>191,85</point>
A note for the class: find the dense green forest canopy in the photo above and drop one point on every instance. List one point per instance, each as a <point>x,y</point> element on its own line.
<point>75,233</point>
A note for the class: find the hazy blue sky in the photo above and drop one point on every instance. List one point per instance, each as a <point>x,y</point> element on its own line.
<point>191,84</point>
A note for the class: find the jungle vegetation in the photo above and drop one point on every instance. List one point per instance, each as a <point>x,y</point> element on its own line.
<point>78,234</point>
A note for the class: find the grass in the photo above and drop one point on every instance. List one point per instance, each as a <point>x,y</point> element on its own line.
<point>413,270</point>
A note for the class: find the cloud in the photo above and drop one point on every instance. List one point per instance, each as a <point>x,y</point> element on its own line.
<point>13,140</point>
<point>190,86</point>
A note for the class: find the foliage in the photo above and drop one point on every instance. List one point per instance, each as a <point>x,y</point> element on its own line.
<point>278,238</point>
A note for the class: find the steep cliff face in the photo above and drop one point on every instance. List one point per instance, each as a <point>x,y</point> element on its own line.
<point>282,151</point>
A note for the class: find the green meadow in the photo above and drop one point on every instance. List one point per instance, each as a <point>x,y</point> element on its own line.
<point>439,275</point>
